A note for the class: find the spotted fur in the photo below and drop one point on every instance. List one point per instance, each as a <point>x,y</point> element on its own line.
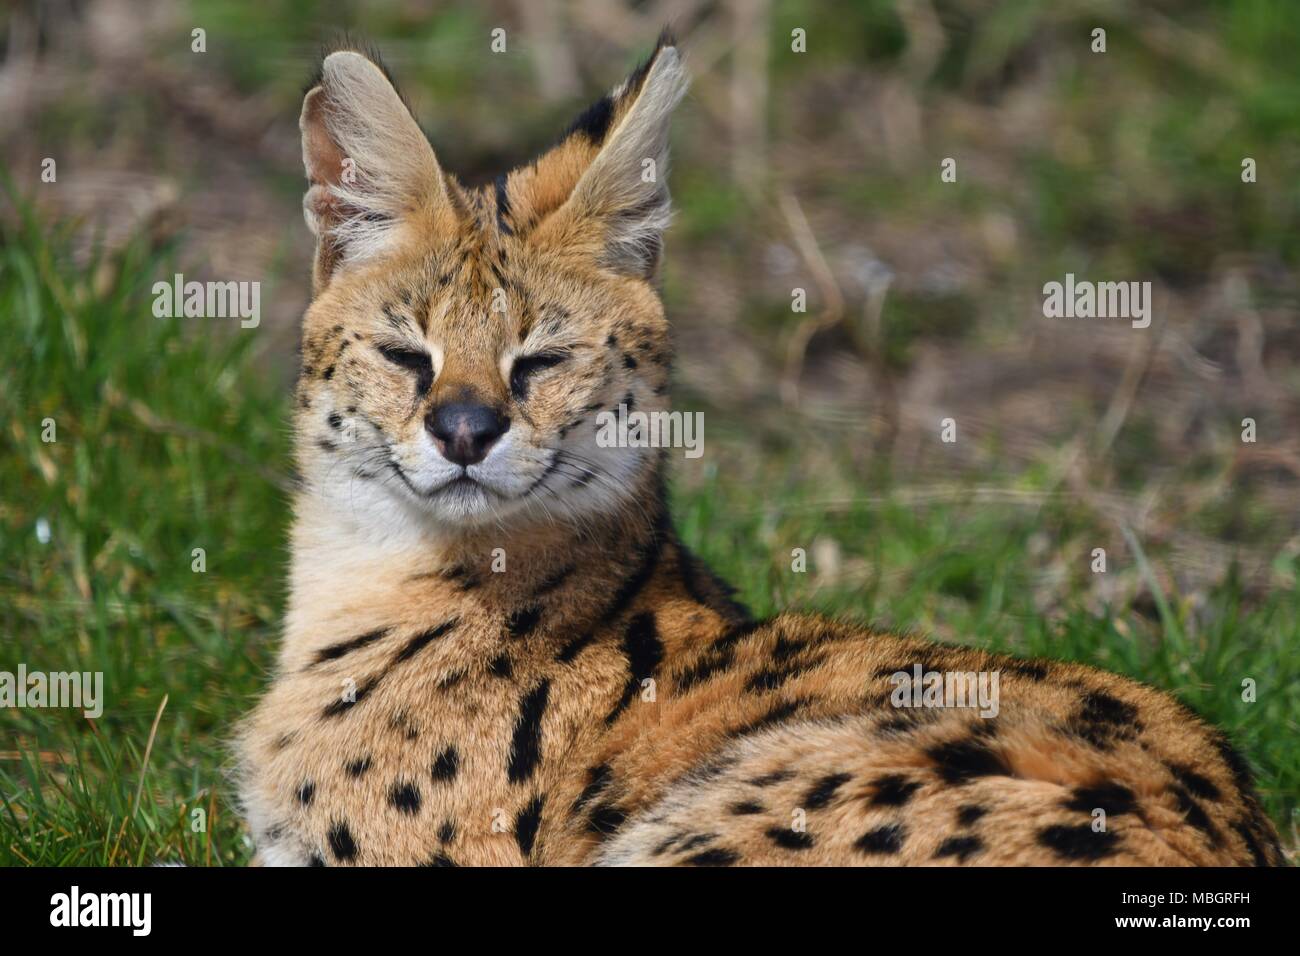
<point>518,662</point>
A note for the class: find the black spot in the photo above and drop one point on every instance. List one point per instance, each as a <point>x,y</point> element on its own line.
<point>789,839</point>
<point>1103,719</point>
<point>440,859</point>
<point>1030,669</point>
<point>708,589</point>
<point>335,419</point>
<point>713,768</point>
<point>316,860</point>
<point>717,856</point>
<point>461,577</point>
<point>907,669</point>
<point>1078,842</point>
<point>893,790</point>
<point>329,373</point>
<point>342,705</point>
<point>306,792</point>
<point>605,819</point>
<point>696,840</point>
<point>526,825</point>
<point>644,652</point>
<point>341,843</point>
<point>446,765</point>
<point>774,715</point>
<point>898,725</point>
<point>1241,774</point>
<point>1114,798</point>
<point>526,746</point>
<point>823,791</point>
<point>523,621</point>
<point>649,560</point>
<point>710,663</point>
<point>597,777</point>
<point>447,832</point>
<point>324,444</point>
<point>886,839</point>
<point>961,847</point>
<point>629,362</point>
<point>746,808</point>
<point>959,761</point>
<point>554,581</point>
<point>1101,707</point>
<point>503,206</point>
<point>500,666</point>
<point>573,648</point>
<point>1256,851</point>
<point>1195,814</point>
<point>969,813</point>
<point>358,767</point>
<point>784,648</point>
<point>405,797</point>
<point>770,678</point>
<point>1195,782</point>
<point>420,641</point>
<point>447,681</point>
<point>667,845</point>
<point>767,779</point>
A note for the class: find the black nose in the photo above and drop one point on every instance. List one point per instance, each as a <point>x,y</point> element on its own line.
<point>465,431</point>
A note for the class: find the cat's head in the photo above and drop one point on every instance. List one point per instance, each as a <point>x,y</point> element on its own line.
<point>461,343</point>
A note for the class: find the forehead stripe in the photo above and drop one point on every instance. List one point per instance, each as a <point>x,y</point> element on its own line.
<point>503,206</point>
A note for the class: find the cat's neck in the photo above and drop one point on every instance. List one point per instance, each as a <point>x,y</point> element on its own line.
<point>357,566</point>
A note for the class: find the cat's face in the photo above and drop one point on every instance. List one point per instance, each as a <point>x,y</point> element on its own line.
<point>462,343</point>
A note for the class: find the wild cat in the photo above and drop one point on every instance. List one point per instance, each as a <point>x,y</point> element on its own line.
<point>497,649</point>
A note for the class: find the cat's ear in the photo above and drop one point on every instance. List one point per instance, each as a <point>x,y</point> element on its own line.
<point>372,176</point>
<point>603,190</point>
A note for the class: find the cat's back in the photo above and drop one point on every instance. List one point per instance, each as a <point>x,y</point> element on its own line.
<point>806,740</point>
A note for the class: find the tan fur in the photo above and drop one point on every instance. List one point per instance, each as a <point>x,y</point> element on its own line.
<point>599,698</point>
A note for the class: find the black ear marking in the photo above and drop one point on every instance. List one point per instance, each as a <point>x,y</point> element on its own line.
<point>593,123</point>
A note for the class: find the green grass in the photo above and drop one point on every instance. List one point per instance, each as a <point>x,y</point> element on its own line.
<point>169,438</point>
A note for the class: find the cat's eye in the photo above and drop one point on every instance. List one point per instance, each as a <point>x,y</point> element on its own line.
<point>416,361</point>
<point>526,366</point>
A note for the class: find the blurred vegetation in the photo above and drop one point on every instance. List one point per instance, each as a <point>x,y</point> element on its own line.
<point>818,171</point>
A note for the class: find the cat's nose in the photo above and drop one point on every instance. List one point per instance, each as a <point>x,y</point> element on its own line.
<point>465,431</point>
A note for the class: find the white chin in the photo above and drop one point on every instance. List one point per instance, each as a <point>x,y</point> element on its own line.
<point>462,503</point>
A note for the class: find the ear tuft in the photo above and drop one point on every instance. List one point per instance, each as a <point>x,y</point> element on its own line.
<point>624,190</point>
<point>369,167</point>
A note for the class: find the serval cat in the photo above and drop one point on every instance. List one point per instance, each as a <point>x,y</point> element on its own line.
<point>497,650</point>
